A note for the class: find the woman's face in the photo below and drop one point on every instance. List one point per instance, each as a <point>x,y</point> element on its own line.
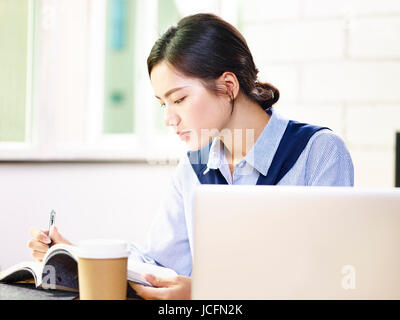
<point>195,113</point>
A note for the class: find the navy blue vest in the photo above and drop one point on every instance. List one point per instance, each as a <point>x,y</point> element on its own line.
<point>293,142</point>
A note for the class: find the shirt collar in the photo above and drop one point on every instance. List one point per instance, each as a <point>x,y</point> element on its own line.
<point>261,154</point>
<point>216,156</point>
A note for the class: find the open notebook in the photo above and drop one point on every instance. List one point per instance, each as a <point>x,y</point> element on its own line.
<point>64,260</point>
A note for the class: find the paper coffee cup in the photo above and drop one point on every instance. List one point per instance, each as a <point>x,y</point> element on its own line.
<point>102,269</point>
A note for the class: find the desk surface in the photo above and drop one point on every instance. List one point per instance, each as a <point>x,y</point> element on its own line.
<point>27,291</point>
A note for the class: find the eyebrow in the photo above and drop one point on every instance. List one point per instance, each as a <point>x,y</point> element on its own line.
<point>169,92</point>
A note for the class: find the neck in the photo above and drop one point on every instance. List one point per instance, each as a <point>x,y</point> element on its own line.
<point>245,125</point>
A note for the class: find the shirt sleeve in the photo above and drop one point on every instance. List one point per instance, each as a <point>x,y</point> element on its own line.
<point>329,162</point>
<point>167,239</point>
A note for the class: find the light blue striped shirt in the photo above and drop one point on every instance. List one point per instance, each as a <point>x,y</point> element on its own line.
<point>325,161</point>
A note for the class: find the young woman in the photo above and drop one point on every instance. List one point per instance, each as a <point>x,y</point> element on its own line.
<point>203,74</point>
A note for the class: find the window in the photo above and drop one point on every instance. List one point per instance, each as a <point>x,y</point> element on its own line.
<point>119,89</point>
<point>76,78</point>
<point>15,64</point>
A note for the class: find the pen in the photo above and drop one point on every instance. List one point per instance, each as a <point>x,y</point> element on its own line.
<point>51,222</point>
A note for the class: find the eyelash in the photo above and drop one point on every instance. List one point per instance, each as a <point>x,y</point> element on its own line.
<point>177,102</point>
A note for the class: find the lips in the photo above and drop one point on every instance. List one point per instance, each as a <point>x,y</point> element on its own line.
<point>181,133</point>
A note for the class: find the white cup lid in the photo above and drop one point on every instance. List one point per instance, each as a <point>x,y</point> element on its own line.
<point>103,249</point>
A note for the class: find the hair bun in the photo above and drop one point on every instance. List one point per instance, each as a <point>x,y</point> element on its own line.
<point>265,94</point>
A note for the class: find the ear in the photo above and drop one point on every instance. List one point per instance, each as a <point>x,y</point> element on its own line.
<point>229,80</point>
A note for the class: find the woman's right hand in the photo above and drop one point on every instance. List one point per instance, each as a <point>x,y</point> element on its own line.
<point>40,241</point>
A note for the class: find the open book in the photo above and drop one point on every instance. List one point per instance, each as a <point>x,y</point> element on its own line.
<point>59,270</point>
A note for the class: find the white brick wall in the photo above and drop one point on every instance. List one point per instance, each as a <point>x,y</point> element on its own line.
<point>373,167</point>
<point>297,40</point>
<point>336,63</point>
<point>334,8</point>
<point>284,77</point>
<point>261,10</point>
<point>349,80</point>
<point>327,115</point>
<point>377,123</point>
<point>375,37</point>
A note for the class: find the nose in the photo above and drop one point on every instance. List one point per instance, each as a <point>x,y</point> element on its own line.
<point>171,118</point>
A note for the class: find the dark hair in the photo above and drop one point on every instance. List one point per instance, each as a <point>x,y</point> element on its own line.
<point>205,46</point>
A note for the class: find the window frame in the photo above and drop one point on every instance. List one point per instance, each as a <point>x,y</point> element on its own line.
<point>11,150</point>
<point>146,144</point>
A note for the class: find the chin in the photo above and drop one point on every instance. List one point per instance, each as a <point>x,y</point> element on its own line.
<point>197,145</point>
<point>193,147</point>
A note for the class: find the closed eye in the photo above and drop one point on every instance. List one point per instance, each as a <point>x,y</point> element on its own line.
<point>180,100</point>
<point>177,102</point>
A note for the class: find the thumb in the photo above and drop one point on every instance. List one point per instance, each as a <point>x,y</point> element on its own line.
<point>55,236</point>
<point>158,282</point>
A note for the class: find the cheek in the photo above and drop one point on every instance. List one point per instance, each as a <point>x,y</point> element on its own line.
<point>209,113</point>
<point>206,119</point>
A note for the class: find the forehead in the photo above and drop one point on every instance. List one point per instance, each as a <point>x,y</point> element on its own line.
<point>164,78</point>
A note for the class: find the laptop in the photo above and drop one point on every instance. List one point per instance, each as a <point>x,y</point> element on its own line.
<point>295,242</point>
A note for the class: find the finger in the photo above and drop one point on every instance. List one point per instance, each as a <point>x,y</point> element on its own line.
<point>39,235</point>
<point>159,282</point>
<point>38,246</point>
<point>150,293</point>
<point>56,236</point>
<point>37,255</point>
